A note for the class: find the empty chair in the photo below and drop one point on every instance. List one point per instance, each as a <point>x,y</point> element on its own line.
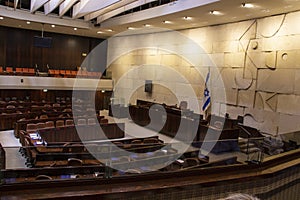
<point>69,122</point>
<point>44,116</point>
<point>136,142</point>
<point>132,171</point>
<point>189,162</point>
<point>56,73</point>
<point>31,71</point>
<point>10,106</point>
<point>9,70</point>
<point>81,122</point>
<point>51,72</point>
<point>74,162</point>
<point>19,71</point>
<point>43,177</point>
<point>67,110</point>
<point>41,125</point>
<point>151,141</point>
<point>59,123</point>
<point>31,127</point>
<point>91,121</point>
<point>55,105</point>
<point>49,124</point>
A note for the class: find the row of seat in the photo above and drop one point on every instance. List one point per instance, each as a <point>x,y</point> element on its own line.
<point>51,72</point>
<point>33,127</point>
<point>17,71</point>
<point>73,73</point>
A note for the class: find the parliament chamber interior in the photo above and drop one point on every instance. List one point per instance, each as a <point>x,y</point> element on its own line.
<point>156,99</point>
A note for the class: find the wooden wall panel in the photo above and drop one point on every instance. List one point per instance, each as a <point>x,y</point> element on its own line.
<point>17,49</point>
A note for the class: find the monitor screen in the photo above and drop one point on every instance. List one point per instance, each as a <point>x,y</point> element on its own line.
<point>43,42</point>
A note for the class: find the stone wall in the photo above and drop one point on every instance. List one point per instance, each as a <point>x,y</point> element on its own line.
<point>254,69</point>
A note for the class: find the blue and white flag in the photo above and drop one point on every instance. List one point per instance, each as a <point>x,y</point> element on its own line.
<point>206,100</point>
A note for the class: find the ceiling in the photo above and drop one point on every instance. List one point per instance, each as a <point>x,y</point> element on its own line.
<point>104,18</point>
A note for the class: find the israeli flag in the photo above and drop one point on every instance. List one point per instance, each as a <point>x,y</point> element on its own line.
<point>206,100</point>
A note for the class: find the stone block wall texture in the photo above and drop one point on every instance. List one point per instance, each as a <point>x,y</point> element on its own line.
<point>254,69</point>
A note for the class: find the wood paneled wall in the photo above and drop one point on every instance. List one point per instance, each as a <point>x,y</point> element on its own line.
<point>17,49</point>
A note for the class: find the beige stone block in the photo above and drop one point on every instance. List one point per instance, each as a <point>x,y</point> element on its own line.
<point>262,59</point>
<point>136,60</point>
<point>281,43</point>
<point>118,70</point>
<point>278,81</point>
<point>244,45</point>
<point>266,101</point>
<point>251,70</point>
<point>152,59</point>
<point>270,125</point>
<point>194,104</point>
<point>234,59</point>
<point>288,123</point>
<point>233,111</point>
<point>265,121</point>
<point>268,26</point>
<point>240,81</point>
<point>125,83</point>
<point>290,25</point>
<point>222,95</point>
<point>171,86</point>
<point>215,108</point>
<point>146,72</point>
<point>198,34</point>
<point>217,59</point>
<point>289,104</point>
<point>198,89</point>
<point>185,72</point>
<point>195,77</point>
<point>191,60</point>
<point>169,74</point>
<point>170,60</point>
<point>207,47</point>
<point>224,79</point>
<point>256,115</point>
<point>246,98</point>
<point>133,72</point>
<point>288,59</point>
<point>225,46</point>
<point>297,81</point>
<point>185,90</point>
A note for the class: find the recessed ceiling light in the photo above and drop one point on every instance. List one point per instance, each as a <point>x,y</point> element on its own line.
<point>28,22</point>
<point>109,30</point>
<point>187,18</point>
<point>99,32</point>
<point>167,22</point>
<point>1,18</point>
<point>247,5</point>
<point>147,25</point>
<point>130,28</point>
<point>75,29</point>
<point>53,26</point>
<point>215,12</point>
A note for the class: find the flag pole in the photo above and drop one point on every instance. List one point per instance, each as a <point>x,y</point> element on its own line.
<point>207,98</point>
